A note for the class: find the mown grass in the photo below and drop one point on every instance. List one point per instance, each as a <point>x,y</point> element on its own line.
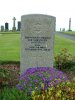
<point>61,42</point>
<point>70,33</point>
<point>10,46</point>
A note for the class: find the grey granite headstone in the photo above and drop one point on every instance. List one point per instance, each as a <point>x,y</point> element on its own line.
<point>6,26</point>
<point>19,25</point>
<point>37,41</point>
<point>2,28</point>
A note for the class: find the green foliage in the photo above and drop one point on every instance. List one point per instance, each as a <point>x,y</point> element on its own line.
<point>13,94</point>
<point>4,76</point>
<point>4,73</point>
<point>63,91</point>
<point>64,60</point>
<point>7,79</point>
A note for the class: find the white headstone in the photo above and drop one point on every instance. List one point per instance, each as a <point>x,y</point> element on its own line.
<point>37,41</point>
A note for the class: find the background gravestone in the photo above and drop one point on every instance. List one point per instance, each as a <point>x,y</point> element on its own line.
<point>6,26</point>
<point>37,41</point>
<point>70,24</point>
<point>18,26</point>
<point>2,28</point>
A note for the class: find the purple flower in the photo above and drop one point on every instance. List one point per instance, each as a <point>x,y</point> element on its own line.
<point>33,77</point>
<point>44,79</point>
<point>20,87</point>
<point>56,76</point>
<point>30,84</point>
<point>36,81</point>
<point>24,83</point>
<point>40,75</point>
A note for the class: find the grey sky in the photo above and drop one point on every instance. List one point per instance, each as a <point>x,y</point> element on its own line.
<point>61,9</point>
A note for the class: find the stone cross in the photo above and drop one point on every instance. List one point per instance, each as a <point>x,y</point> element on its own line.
<point>14,19</point>
<point>14,28</point>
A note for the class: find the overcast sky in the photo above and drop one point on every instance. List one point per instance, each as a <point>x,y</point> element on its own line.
<point>61,9</point>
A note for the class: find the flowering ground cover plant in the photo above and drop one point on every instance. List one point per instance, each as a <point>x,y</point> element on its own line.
<point>64,60</point>
<point>32,78</point>
<point>62,91</point>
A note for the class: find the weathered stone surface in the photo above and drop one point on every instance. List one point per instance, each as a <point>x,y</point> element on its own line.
<point>37,41</point>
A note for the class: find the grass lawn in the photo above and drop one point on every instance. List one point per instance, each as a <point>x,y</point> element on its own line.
<point>70,32</point>
<point>10,46</point>
<point>61,42</point>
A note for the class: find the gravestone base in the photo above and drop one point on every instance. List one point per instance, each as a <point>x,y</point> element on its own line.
<point>14,29</point>
<point>6,30</point>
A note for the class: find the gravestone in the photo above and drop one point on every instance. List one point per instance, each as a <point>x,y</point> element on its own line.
<point>2,28</point>
<point>37,41</point>
<point>14,27</point>
<point>19,25</point>
<point>6,26</point>
<point>70,24</point>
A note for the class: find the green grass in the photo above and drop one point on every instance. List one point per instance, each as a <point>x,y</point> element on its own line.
<point>70,32</point>
<point>10,46</point>
<point>61,42</point>
<point>10,32</point>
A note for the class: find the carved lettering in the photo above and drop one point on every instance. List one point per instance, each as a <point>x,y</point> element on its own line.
<point>37,43</point>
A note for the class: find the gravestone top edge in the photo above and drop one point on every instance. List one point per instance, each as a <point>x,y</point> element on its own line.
<point>44,15</point>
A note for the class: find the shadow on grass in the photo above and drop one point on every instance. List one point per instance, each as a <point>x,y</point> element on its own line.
<point>9,62</point>
<point>17,32</point>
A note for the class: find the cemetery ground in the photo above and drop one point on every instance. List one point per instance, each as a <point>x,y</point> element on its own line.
<point>10,46</point>
<point>70,33</point>
<point>10,66</point>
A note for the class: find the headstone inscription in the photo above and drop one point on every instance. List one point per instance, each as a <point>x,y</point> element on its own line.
<point>37,41</point>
